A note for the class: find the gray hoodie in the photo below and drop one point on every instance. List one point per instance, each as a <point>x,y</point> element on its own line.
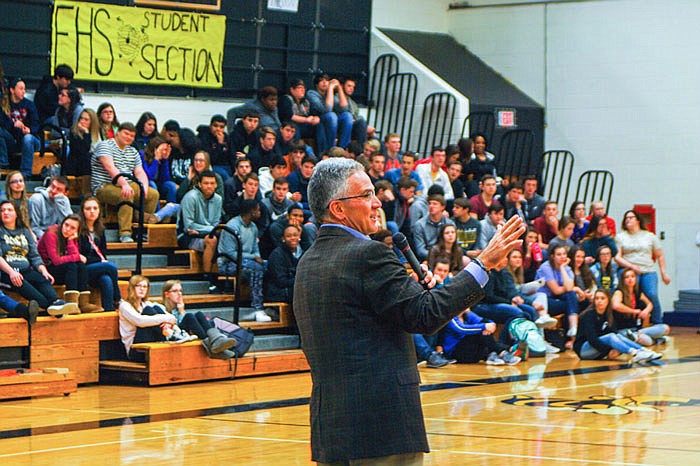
<point>44,212</point>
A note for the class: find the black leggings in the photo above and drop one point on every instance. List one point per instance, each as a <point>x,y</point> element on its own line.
<point>147,334</point>
<point>34,286</point>
<point>72,274</point>
<point>474,348</point>
<point>196,323</point>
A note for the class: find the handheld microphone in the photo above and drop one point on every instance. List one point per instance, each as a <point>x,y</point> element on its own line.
<point>401,242</point>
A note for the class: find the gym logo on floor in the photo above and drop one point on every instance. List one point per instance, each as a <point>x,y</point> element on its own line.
<point>603,404</point>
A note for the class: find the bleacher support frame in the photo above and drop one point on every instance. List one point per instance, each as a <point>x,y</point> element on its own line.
<point>598,187</point>
<point>384,66</point>
<point>515,157</point>
<point>437,120</point>
<point>557,171</point>
<point>480,122</point>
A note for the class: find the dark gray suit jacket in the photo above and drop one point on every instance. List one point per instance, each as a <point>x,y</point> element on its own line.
<point>356,308</point>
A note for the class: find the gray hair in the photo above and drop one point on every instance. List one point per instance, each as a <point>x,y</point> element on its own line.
<point>329,182</point>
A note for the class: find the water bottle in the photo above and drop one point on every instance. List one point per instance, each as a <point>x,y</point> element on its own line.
<point>536,251</point>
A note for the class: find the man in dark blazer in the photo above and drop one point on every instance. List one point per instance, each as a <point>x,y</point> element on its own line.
<point>356,308</point>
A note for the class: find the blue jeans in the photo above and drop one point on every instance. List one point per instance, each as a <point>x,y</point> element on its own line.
<point>224,170</point>
<point>8,304</point>
<point>566,303</point>
<point>167,191</point>
<point>616,341</point>
<point>34,286</point>
<point>104,276</point>
<point>649,285</point>
<point>250,270</point>
<point>30,144</point>
<point>501,312</point>
<point>359,130</point>
<point>345,125</point>
<point>425,345</point>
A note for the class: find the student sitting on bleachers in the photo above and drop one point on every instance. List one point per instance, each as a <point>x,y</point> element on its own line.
<point>244,134</point>
<point>487,197</point>
<point>295,107</point>
<point>433,173</point>
<point>23,124</point>
<point>200,213</point>
<point>631,308</point>
<point>200,163</point>
<point>146,128</point>
<point>268,175</point>
<point>20,310</point>
<point>469,339</point>
<point>215,141</point>
<point>596,237</point>
<point>559,287</point>
<point>278,201</point>
<point>605,270</point>
<point>102,274</point>
<point>264,152</point>
<point>70,106</point>
<point>447,248</point>
<point>109,123</point>
<point>282,266</point>
<point>215,343</point>
<point>46,96</point>
<point>141,321</point>
<point>15,192</point>
<point>250,191</point>
<point>547,224</point>
<point>234,185</point>
<point>584,281</point>
<point>252,266</point>
<point>295,216</point>
<point>265,104</point>
<point>426,230</point>
<point>60,252</point>
<point>184,144</point>
<point>299,181</point>
<point>577,212</point>
<point>481,162</point>
<point>407,162</point>
<point>83,139</point>
<point>157,167</point>
<point>22,267</point>
<point>116,156</point>
<point>49,206</point>
<point>564,232</point>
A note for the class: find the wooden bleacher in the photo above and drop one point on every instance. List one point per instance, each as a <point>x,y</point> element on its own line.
<point>72,341</point>
<point>168,363</point>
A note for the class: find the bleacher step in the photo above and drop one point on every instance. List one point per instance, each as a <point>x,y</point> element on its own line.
<point>147,260</point>
<point>189,287</point>
<point>275,342</point>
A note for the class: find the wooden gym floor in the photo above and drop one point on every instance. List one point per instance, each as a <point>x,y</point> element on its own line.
<point>554,410</point>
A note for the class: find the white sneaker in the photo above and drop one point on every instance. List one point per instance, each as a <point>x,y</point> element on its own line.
<point>546,321</point>
<point>644,355</point>
<point>261,316</point>
<point>494,360</point>
<point>550,348</point>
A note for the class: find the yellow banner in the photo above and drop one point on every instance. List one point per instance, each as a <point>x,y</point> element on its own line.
<point>138,45</point>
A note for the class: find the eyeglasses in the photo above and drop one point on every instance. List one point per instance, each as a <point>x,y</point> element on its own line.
<point>17,182</point>
<point>141,285</point>
<point>367,196</point>
<point>174,291</point>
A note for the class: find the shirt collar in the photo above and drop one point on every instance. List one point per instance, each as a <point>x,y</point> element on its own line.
<point>352,231</point>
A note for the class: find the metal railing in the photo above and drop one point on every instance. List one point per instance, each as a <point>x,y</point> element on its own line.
<point>238,260</point>
<point>515,154</point>
<point>384,66</point>
<point>396,108</point>
<point>595,185</point>
<point>437,121</point>
<point>557,171</point>
<point>479,122</point>
<point>142,199</point>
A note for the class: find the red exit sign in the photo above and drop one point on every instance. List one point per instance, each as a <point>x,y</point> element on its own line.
<point>506,118</point>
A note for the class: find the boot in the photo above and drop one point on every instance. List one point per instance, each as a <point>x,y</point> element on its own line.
<point>218,342</point>
<point>29,313</point>
<point>85,305</point>
<point>226,354</point>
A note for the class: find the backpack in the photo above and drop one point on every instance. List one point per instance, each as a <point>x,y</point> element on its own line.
<point>521,329</point>
<point>244,338</point>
